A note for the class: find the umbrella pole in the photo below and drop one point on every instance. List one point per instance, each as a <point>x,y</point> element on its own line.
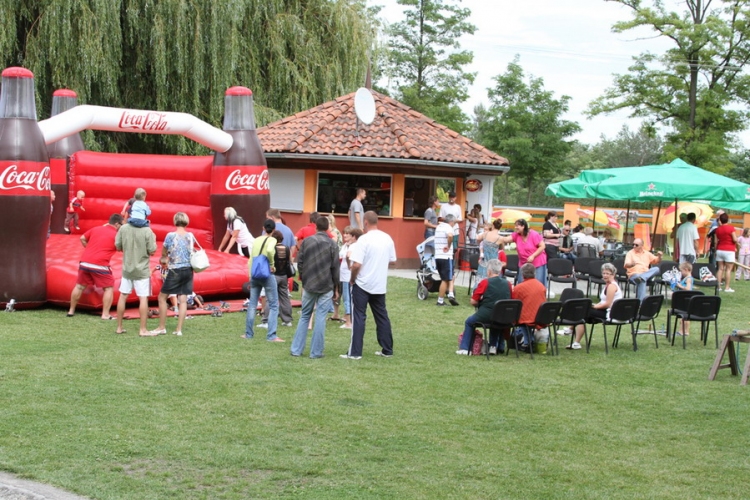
<point>674,240</point>
<point>627,220</point>
<point>593,217</point>
<point>653,236</point>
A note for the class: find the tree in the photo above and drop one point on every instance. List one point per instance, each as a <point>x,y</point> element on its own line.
<point>524,124</point>
<point>696,89</point>
<point>182,55</point>
<point>629,148</point>
<point>426,73</point>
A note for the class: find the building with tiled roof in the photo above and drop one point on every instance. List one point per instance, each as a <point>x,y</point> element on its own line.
<point>318,157</point>
<point>399,139</point>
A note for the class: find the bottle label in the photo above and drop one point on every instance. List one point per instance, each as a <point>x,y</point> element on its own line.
<point>240,180</point>
<point>24,178</point>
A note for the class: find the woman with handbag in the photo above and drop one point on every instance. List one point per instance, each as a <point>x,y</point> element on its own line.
<point>176,251</point>
<point>284,271</point>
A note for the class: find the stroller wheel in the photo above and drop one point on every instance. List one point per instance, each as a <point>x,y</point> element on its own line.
<point>422,292</point>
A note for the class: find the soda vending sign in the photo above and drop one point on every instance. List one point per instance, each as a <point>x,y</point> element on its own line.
<point>252,180</point>
<point>24,178</point>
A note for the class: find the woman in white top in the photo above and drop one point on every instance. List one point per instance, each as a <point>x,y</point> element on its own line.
<point>601,310</point>
<point>475,221</point>
<point>237,232</point>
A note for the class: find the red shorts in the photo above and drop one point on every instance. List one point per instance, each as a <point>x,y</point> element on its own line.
<point>98,279</point>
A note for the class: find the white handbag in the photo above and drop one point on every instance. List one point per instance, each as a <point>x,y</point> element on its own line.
<point>198,258</point>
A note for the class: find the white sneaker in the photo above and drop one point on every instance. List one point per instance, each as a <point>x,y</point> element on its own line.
<point>574,345</point>
<point>493,349</point>
<point>462,352</point>
<point>565,331</point>
<point>262,325</point>
<point>346,356</point>
<point>729,290</point>
<point>552,295</point>
<point>284,324</point>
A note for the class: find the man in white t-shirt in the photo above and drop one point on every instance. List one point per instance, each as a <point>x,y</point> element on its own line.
<point>688,238</point>
<point>444,258</point>
<point>451,208</point>
<point>369,267</point>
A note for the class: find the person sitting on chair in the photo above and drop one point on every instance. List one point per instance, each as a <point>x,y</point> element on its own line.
<point>600,311</point>
<point>637,262</point>
<point>588,238</point>
<point>533,294</point>
<point>489,291</point>
<point>566,245</point>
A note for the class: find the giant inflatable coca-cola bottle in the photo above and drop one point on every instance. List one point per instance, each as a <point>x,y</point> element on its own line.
<point>24,192</point>
<point>239,177</point>
<point>62,100</point>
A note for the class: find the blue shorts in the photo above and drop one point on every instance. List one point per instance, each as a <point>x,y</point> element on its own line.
<point>445,269</point>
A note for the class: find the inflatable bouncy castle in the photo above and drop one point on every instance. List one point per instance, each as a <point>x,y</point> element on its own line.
<point>37,158</point>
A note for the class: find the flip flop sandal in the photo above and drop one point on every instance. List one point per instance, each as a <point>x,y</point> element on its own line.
<point>217,314</point>
<point>224,305</point>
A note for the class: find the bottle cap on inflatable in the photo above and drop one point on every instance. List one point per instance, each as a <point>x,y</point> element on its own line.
<point>17,95</point>
<point>63,100</point>
<point>238,109</point>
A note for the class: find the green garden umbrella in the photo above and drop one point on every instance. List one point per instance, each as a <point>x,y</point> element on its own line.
<point>668,182</point>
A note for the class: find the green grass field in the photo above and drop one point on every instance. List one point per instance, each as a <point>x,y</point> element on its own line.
<point>210,415</point>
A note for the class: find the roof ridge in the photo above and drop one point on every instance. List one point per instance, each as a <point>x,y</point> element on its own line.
<point>401,136</point>
<point>329,117</point>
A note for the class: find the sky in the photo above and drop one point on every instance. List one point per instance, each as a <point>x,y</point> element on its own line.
<point>567,43</point>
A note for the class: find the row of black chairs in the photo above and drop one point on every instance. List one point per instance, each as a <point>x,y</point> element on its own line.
<point>590,270</point>
<point>573,309</point>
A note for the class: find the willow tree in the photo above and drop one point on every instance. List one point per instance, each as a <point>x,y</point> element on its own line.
<point>181,55</point>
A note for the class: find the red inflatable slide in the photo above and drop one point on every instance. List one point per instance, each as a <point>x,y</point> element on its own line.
<point>173,184</point>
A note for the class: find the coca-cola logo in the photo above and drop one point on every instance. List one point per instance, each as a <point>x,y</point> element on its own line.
<point>143,121</point>
<point>251,182</point>
<point>12,178</point>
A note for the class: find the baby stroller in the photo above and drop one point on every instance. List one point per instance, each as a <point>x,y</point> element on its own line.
<point>428,280</point>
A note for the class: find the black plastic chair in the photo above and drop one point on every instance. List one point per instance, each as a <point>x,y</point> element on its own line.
<point>697,282</point>
<point>622,312</point>
<point>547,314</point>
<point>595,276</point>
<point>560,271</point>
<point>622,277</point>
<point>574,312</point>
<point>658,286</point>
<point>581,267</point>
<point>703,308</point>
<point>650,309</point>
<point>511,268</point>
<point>680,300</point>
<point>587,250</point>
<point>473,259</point>
<point>505,314</point>
<point>571,293</point>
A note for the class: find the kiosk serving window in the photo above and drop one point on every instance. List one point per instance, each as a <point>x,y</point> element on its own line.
<point>336,192</point>
<point>418,189</point>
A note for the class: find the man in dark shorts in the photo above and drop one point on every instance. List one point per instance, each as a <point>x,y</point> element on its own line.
<point>93,269</point>
<point>444,235</point>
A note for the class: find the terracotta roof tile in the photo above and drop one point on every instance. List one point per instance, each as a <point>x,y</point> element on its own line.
<point>397,132</point>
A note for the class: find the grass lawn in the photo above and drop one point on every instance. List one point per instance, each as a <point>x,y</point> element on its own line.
<point>210,415</point>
